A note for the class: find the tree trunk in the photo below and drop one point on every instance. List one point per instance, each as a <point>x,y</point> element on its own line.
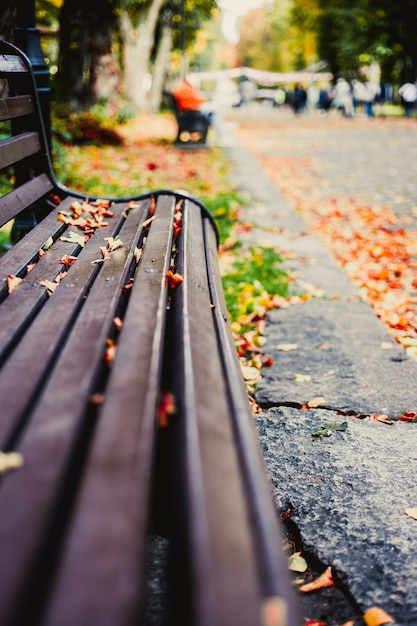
<point>73,41</point>
<point>138,39</point>
<point>159,67</point>
<point>104,72</point>
<point>8,11</point>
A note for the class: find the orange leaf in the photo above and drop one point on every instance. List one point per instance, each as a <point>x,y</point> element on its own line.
<point>325,580</point>
<point>377,617</point>
<point>68,260</point>
<point>173,279</point>
<point>13,282</point>
<point>380,418</point>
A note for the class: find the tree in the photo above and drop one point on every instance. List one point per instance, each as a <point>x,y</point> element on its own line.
<point>85,42</point>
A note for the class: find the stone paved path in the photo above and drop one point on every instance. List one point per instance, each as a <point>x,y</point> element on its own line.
<point>344,496</point>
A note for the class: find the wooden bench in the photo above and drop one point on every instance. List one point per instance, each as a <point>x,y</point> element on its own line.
<point>123,411</point>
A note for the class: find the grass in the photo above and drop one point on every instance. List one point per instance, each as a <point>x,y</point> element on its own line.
<point>253,281</point>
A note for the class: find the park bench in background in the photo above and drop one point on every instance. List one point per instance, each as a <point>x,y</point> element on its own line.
<point>123,410</point>
<point>192,126</point>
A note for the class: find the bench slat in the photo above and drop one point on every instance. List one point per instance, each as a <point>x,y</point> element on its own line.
<point>56,425</point>
<point>19,199</point>
<point>22,374</point>
<point>15,106</point>
<point>14,149</point>
<point>26,250</point>
<point>272,563</point>
<point>222,575</point>
<point>11,64</point>
<point>107,544</point>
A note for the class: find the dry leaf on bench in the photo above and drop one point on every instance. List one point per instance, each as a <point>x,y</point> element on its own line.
<point>10,461</point>
<point>13,282</point>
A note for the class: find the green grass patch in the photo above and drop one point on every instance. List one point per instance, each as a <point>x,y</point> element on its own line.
<point>254,278</point>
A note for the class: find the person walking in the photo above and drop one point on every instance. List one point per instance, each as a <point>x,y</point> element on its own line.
<point>408,94</point>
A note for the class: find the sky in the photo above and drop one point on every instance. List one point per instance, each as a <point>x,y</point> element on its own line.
<point>231,11</point>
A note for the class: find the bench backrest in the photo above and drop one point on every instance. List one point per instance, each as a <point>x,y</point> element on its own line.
<point>24,157</point>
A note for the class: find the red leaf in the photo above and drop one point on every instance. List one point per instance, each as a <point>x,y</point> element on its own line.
<point>408,416</point>
<point>166,408</point>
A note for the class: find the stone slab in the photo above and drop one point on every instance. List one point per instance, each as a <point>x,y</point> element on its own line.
<point>347,494</point>
<point>344,355</point>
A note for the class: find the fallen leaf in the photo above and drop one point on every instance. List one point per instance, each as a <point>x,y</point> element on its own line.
<point>411,512</point>
<point>50,286</point>
<point>315,402</point>
<point>10,461</point>
<point>329,428</point>
<point>325,580</point>
<point>302,378</point>
<point>297,563</point>
<point>173,279</point>
<point>148,221</point>
<point>408,416</point>
<point>72,237</point>
<point>314,622</point>
<point>113,243</point>
<point>377,617</point>
<point>117,323</point>
<point>68,260</point>
<point>167,407</point>
<point>386,345</point>
<point>13,282</point>
<point>250,373</point>
<point>110,352</point>
<point>97,399</point>
<point>48,244</point>
<point>137,254</point>
<point>377,417</point>
<point>286,347</point>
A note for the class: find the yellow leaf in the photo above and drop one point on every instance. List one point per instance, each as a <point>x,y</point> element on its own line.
<point>10,461</point>
<point>315,402</point>
<point>412,512</point>
<point>250,373</point>
<point>48,244</point>
<point>377,617</point>
<point>286,347</point>
<point>297,563</point>
<point>302,378</point>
